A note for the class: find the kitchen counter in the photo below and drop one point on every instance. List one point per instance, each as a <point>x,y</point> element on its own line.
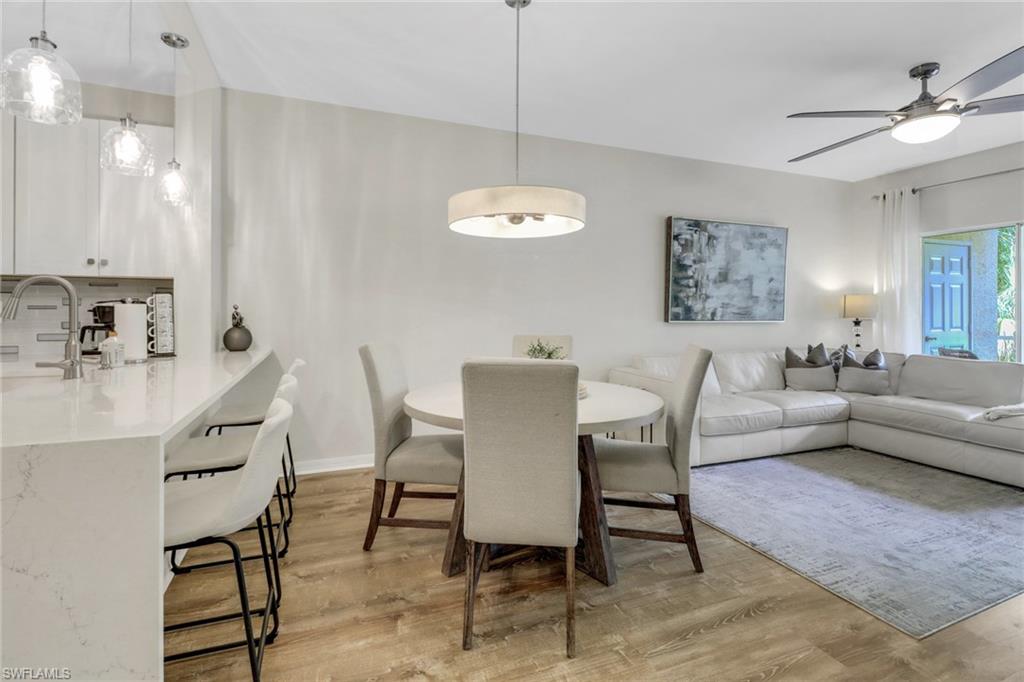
<point>157,398</point>
<point>81,469</point>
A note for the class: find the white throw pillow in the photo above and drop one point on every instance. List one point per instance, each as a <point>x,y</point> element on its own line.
<point>871,381</point>
<point>811,378</point>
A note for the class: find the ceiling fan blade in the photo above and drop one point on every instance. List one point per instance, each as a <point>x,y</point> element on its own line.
<point>841,143</point>
<point>990,77</point>
<point>996,105</point>
<point>842,114</point>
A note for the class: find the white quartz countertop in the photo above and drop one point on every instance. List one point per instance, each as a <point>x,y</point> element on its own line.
<point>155,399</point>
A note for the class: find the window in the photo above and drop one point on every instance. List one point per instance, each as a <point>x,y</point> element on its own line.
<point>972,293</point>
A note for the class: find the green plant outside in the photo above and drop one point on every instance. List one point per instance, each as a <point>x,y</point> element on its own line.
<point>1006,286</point>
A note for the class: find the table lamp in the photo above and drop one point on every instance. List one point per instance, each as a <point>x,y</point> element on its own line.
<point>859,307</point>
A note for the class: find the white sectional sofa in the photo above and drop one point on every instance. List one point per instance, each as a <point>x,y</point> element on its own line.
<point>933,414</point>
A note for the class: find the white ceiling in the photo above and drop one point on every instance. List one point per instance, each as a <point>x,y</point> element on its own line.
<point>703,80</point>
<point>93,37</point>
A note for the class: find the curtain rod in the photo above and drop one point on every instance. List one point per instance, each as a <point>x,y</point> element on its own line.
<point>915,190</point>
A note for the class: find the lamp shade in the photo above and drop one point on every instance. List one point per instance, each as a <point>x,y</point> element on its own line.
<point>39,85</point>
<point>126,150</point>
<point>862,306</point>
<point>517,212</point>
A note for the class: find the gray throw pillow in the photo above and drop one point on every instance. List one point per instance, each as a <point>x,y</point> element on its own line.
<point>873,360</point>
<point>811,378</point>
<point>816,357</point>
<point>863,380</point>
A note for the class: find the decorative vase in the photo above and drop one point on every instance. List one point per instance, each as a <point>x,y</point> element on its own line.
<point>237,337</point>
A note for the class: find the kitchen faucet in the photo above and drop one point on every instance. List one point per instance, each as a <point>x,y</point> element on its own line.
<point>72,362</point>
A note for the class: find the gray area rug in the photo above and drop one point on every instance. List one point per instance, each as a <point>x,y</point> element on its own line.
<point>917,547</point>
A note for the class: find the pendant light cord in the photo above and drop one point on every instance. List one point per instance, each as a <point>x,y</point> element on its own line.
<point>174,86</point>
<point>44,16</point>
<point>518,7</point>
<point>131,7</point>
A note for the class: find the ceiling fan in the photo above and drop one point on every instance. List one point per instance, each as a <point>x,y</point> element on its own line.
<point>930,117</point>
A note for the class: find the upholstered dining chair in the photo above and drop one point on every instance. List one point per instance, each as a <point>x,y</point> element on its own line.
<point>521,483</point>
<point>628,466</point>
<point>399,456</point>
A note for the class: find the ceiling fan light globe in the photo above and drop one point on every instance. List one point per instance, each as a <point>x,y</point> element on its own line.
<point>927,128</point>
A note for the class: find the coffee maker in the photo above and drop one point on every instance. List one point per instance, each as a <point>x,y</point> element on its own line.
<point>97,332</point>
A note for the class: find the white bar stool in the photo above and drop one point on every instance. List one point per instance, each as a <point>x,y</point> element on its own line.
<point>251,414</point>
<point>221,454</point>
<point>202,512</point>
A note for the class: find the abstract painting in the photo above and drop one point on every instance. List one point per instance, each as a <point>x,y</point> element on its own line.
<point>725,272</point>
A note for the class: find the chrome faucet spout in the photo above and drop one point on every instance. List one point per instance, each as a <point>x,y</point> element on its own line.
<point>72,362</point>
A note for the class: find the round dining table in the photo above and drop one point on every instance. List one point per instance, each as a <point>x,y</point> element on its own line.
<point>605,409</point>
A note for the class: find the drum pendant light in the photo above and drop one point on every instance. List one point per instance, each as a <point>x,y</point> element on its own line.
<point>172,187</point>
<point>517,211</point>
<point>39,85</point>
<point>126,150</point>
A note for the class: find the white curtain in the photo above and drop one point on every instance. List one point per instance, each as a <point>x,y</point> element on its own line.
<point>897,325</point>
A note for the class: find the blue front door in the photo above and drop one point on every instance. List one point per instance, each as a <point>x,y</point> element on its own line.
<point>947,296</point>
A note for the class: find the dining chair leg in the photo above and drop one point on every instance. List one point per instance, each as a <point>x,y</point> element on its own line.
<point>396,497</point>
<point>683,509</point>
<point>472,575</point>
<point>454,549</point>
<point>376,507</point>
<point>570,602</point>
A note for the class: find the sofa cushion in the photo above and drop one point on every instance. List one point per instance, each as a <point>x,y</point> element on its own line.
<point>811,378</point>
<point>730,414</point>
<point>802,408</point>
<point>893,362</point>
<point>944,419</point>
<point>968,382</point>
<point>1007,433</point>
<point>863,380</point>
<point>739,372</point>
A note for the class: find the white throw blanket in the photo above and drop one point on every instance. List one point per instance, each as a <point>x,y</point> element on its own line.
<point>994,413</point>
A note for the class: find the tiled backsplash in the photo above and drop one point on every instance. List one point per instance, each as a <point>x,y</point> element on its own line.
<point>41,326</point>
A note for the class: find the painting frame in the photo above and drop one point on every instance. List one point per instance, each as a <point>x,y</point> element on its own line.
<point>774,274</point>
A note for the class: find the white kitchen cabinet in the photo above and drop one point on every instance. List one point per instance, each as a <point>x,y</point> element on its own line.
<point>136,231</point>
<point>56,202</point>
<point>73,218</point>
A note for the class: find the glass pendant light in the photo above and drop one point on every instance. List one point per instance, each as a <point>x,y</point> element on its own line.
<point>39,85</point>
<point>126,150</point>
<point>517,211</point>
<point>172,186</point>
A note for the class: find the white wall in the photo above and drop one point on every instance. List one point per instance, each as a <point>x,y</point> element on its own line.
<point>335,235</point>
<point>196,243</point>
<point>987,201</point>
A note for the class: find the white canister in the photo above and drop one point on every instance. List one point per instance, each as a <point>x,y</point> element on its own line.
<point>130,322</point>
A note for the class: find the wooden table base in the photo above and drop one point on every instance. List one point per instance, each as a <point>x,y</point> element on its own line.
<point>594,551</point>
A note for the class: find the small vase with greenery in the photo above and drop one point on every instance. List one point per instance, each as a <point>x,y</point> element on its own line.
<point>538,350</point>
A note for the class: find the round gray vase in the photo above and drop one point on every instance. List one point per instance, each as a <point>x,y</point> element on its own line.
<point>237,338</point>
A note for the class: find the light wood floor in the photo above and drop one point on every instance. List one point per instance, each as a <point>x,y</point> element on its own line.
<point>390,614</point>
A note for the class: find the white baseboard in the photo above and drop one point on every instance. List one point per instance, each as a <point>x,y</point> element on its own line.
<point>324,464</point>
